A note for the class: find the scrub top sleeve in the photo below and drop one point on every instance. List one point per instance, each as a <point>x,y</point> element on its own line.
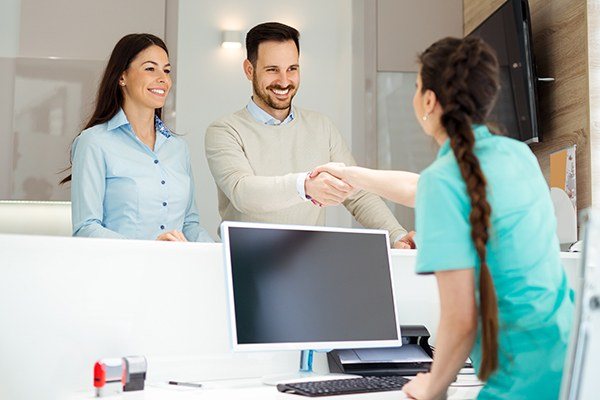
<point>442,224</point>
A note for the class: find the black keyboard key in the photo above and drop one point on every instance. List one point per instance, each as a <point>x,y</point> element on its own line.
<point>344,386</point>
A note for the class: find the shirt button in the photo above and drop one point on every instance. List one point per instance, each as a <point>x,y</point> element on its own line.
<point>155,161</point>
<point>162,182</point>
<point>162,227</point>
<point>164,203</point>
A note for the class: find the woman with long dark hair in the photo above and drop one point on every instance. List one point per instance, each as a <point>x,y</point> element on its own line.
<point>486,228</point>
<point>131,177</point>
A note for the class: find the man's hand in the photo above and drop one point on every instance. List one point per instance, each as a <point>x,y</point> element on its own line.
<point>406,242</point>
<point>326,189</point>
<point>172,236</point>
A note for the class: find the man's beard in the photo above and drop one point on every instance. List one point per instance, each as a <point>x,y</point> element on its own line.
<point>264,96</point>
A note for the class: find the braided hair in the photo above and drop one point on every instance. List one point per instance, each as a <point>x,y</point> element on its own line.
<point>463,73</point>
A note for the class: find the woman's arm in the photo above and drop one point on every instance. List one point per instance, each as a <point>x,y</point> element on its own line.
<point>88,186</point>
<point>455,337</point>
<point>397,186</point>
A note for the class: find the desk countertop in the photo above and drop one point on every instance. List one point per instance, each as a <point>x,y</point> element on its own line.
<point>253,389</point>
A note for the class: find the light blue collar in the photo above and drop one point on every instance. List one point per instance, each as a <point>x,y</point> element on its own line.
<point>264,117</point>
<point>479,131</point>
<point>120,119</point>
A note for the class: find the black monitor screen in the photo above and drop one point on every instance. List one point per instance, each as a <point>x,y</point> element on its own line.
<point>292,286</point>
<point>507,31</point>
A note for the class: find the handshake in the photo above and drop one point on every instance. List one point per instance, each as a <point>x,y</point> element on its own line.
<point>332,183</point>
<point>328,185</point>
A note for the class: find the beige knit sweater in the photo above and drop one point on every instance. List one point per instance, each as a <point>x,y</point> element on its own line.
<point>255,167</point>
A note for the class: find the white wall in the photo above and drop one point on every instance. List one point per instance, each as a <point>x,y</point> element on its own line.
<point>84,29</point>
<point>210,81</point>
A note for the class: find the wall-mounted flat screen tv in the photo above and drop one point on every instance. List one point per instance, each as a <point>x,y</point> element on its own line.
<point>508,31</point>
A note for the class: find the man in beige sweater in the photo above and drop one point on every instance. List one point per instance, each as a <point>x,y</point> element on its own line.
<point>262,155</point>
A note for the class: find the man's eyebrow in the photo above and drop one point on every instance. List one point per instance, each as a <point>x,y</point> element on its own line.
<point>277,66</point>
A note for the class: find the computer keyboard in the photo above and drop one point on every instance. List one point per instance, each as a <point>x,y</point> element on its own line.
<point>344,386</point>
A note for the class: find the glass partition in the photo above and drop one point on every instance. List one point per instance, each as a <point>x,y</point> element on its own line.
<point>402,144</point>
<point>51,62</point>
<point>52,97</point>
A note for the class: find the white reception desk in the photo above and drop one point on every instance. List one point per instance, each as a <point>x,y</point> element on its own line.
<point>66,302</point>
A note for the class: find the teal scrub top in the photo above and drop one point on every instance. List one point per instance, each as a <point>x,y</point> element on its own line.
<point>535,302</point>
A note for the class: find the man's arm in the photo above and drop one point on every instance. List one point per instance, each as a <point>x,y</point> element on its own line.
<point>371,212</point>
<point>235,176</point>
<point>368,209</point>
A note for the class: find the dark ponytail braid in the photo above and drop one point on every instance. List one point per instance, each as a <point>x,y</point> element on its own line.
<point>464,76</point>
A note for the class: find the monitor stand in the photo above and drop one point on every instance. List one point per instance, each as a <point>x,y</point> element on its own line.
<point>305,371</point>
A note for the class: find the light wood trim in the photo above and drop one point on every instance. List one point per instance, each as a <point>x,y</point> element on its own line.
<point>476,11</point>
<point>593,18</point>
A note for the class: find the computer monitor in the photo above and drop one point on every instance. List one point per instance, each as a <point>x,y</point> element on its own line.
<point>309,288</point>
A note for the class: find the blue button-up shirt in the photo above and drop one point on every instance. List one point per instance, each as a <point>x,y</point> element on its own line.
<point>265,118</point>
<point>122,189</point>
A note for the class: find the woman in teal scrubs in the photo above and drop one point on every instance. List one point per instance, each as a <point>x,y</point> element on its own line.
<point>486,228</point>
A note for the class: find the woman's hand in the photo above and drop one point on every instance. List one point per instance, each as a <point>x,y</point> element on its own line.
<point>172,236</point>
<point>339,170</point>
<point>418,387</point>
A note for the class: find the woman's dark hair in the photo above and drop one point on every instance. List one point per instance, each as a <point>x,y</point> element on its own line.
<point>464,75</point>
<point>266,32</point>
<point>109,99</point>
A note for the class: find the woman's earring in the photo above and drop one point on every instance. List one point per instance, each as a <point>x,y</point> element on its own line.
<point>122,83</point>
<point>425,116</point>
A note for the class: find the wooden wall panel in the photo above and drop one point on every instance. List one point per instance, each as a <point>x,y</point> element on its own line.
<point>559,29</point>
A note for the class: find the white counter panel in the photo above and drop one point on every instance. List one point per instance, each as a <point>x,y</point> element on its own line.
<point>66,302</point>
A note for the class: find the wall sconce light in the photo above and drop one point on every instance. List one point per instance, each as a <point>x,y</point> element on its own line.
<point>231,39</point>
